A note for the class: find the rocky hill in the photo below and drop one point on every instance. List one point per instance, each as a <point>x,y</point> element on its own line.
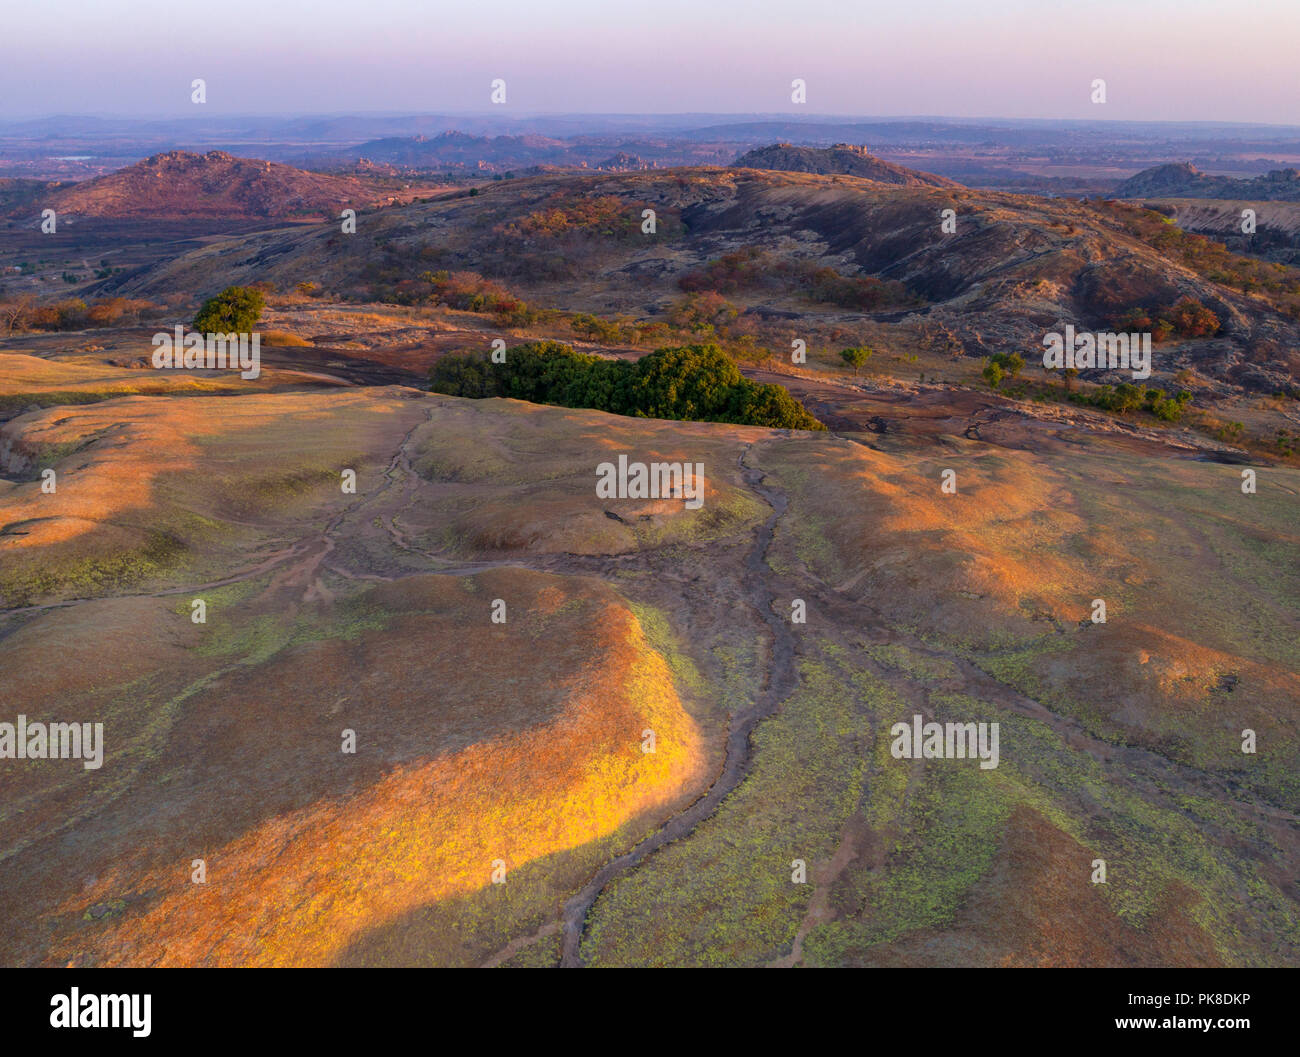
<point>1184,180</point>
<point>842,159</point>
<point>454,149</point>
<point>179,184</point>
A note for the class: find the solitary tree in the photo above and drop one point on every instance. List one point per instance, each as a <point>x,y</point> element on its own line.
<point>233,311</point>
<point>15,311</point>
<point>857,357</point>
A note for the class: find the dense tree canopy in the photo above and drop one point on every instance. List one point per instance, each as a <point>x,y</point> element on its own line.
<point>696,382</point>
<point>235,310</point>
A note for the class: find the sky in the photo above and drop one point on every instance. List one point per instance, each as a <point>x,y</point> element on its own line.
<point>1171,60</point>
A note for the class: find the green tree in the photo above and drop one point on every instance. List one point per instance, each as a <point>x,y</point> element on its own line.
<point>468,376</point>
<point>697,382</point>
<point>1012,363</point>
<point>857,357</point>
<point>235,310</point>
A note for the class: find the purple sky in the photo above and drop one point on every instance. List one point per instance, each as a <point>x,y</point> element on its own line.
<point>1183,60</point>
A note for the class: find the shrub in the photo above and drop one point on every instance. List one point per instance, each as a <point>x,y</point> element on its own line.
<point>1126,397</point>
<point>1011,363</point>
<point>732,272</point>
<point>1191,319</point>
<point>470,292</point>
<point>861,293</point>
<point>468,376</point>
<point>598,215</point>
<point>856,357</point>
<point>114,310</point>
<point>60,315</point>
<point>702,312</point>
<point>1187,319</point>
<point>751,268</point>
<point>593,328</point>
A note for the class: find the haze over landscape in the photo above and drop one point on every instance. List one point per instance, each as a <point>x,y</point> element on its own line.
<point>756,485</point>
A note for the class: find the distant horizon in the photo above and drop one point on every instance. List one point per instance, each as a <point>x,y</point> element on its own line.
<point>522,115</point>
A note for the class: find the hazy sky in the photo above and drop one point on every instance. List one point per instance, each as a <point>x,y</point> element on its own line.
<point>1230,60</point>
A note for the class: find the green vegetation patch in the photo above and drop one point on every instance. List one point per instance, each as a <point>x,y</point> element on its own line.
<point>89,576</point>
<point>695,382</point>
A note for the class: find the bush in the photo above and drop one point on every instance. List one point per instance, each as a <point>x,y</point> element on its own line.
<point>1012,363</point>
<point>114,310</point>
<point>1127,397</point>
<point>695,382</point>
<point>24,313</point>
<point>1187,319</point>
<point>593,328</point>
<point>470,292</point>
<point>600,215</point>
<point>702,312</point>
<point>860,293</point>
<point>738,270</point>
<point>1191,319</point>
<point>468,376</point>
<point>60,315</point>
<point>235,310</point>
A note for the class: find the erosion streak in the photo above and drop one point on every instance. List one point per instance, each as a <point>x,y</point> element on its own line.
<point>780,681</point>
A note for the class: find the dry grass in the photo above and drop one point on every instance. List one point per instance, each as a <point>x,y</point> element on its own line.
<point>238,463</point>
<point>510,742</point>
<point>521,742</point>
<point>284,338</point>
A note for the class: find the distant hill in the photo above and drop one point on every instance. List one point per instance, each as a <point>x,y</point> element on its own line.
<point>22,196</point>
<point>179,184</point>
<point>1184,180</point>
<point>455,150</point>
<point>843,159</point>
<point>459,150</point>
